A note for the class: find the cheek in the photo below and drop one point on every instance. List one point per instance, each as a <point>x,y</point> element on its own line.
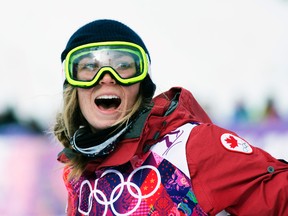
<point>132,93</point>
<point>83,96</point>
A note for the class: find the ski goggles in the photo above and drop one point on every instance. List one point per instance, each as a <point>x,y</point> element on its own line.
<point>85,65</point>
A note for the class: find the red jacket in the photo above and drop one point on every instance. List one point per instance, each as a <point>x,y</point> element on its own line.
<point>226,172</point>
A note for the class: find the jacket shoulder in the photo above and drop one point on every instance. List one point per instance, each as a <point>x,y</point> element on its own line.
<point>226,168</point>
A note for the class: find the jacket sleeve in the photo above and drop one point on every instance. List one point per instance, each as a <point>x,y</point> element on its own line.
<point>228,173</point>
<point>70,208</point>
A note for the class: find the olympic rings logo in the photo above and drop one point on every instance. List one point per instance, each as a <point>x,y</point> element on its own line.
<point>103,200</point>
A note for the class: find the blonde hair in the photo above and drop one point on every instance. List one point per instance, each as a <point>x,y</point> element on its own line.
<point>71,118</point>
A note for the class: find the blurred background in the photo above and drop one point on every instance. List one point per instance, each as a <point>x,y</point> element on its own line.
<point>232,55</point>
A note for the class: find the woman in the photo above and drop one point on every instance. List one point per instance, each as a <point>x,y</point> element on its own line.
<point>128,154</point>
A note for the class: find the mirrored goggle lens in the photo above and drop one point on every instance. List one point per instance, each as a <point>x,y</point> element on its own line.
<point>86,65</point>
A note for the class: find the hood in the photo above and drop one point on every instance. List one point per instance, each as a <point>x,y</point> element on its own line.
<point>171,109</point>
<point>179,102</point>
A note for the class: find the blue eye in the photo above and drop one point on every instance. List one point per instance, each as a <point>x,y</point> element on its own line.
<point>88,67</point>
<point>124,66</point>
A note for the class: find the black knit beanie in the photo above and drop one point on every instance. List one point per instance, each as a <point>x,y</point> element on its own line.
<point>109,30</point>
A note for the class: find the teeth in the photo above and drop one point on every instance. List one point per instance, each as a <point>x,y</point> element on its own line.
<point>108,97</point>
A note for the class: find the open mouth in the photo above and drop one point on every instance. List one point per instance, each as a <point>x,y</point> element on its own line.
<point>106,102</point>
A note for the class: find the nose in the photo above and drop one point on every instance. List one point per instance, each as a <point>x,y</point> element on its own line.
<point>107,79</point>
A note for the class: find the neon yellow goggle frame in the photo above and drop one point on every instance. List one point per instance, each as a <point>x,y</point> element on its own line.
<point>126,62</point>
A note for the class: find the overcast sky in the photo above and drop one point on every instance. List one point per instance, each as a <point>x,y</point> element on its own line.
<point>221,50</point>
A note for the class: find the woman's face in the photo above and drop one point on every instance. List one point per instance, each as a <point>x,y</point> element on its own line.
<point>107,102</point>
